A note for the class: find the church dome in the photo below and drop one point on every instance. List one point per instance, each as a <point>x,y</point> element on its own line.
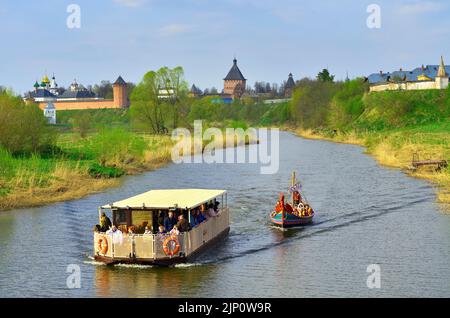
<point>45,80</point>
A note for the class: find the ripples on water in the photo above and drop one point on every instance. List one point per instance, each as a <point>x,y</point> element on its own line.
<point>365,215</point>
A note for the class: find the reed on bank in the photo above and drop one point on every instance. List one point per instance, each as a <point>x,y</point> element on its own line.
<point>84,166</point>
<point>395,148</point>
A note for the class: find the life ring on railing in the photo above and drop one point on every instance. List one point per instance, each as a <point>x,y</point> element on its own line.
<point>171,246</point>
<point>102,244</point>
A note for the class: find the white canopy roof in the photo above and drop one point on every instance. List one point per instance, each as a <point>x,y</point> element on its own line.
<point>166,199</point>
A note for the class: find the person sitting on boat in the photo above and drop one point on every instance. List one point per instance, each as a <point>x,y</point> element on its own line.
<point>216,205</point>
<point>105,223</point>
<point>116,234</point>
<point>297,197</point>
<point>161,229</point>
<point>200,217</point>
<point>148,231</point>
<point>183,224</point>
<point>195,219</point>
<point>174,230</point>
<point>211,212</point>
<point>131,230</point>
<point>170,221</point>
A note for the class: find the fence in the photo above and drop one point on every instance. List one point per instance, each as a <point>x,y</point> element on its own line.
<point>152,246</point>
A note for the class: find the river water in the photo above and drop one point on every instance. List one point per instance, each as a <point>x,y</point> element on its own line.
<point>366,214</point>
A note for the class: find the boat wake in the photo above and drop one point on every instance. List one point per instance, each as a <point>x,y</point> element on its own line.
<point>91,261</point>
<point>317,229</point>
<point>188,265</point>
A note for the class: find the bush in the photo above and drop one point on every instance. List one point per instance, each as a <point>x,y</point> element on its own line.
<point>23,128</point>
<point>116,147</point>
<point>98,171</point>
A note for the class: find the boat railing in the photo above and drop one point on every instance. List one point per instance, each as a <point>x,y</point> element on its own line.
<point>151,246</point>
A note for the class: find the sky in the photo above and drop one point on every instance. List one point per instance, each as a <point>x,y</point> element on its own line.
<point>270,39</point>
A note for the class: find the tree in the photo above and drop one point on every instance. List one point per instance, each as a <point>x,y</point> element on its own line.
<point>23,127</point>
<point>152,112</point>
<point>325,76</point>
<point>104,90</point>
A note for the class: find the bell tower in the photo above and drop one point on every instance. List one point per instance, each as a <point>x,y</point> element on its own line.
<point>120,93</point>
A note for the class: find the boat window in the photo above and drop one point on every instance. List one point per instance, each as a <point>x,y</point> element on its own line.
<point>141,219</point>
<point>120,217</point>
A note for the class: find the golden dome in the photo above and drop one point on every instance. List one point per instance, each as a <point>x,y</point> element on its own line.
<point>45,80</point>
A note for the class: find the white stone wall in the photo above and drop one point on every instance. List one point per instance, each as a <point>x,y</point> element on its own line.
<point>439,83</point>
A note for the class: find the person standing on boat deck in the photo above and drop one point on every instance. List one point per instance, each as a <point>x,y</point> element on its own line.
<point>160,218</point>
<point>183,224</point>
<point>105,223</point>
<point>170,221</point>
<point>297,198</point>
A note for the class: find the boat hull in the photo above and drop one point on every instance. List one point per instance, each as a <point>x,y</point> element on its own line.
<point>169,261</point>
<point>291,220</point>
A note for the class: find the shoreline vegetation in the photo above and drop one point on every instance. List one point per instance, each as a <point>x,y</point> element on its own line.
<point>393,126</point>
<point>389,152</point>
<point>89,150</point>
<point>40,181</point>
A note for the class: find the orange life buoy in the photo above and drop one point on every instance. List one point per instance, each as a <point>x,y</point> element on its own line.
<point>171,246</point>
<point>103,245</point>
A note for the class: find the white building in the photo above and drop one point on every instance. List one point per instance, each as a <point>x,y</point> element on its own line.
<point>50,113</point>
<point>430,77</point>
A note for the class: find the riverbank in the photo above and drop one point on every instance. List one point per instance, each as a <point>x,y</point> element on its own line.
<point>85,166</point>
<point>35,181</point>
<point>395,148</point>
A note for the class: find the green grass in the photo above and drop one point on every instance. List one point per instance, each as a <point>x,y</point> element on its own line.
<point>97,117</point>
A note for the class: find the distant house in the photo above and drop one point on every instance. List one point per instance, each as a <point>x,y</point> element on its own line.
<point>195,91</point>
<point>429,77</point>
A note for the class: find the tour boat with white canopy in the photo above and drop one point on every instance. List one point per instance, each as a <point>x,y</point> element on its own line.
<point>142,229</point>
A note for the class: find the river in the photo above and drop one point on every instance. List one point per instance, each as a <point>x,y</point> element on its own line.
<point>366,214</point>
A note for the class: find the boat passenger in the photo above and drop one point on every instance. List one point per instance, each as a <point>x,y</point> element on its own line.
<point>116,235</point>
<point>160,217</point>
<point>183,224</point>
<point>131,230</point>
<point>105,223</point>
<point>170,221</point>
<point>193,218</point>
<point>297,198</point>
<point>174,230</point>
<point>97,228</point>
<point>161,230</point>
<point>200,217</point>
<point>147,231</point>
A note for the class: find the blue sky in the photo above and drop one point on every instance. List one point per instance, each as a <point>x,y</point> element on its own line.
<point>270,38</point>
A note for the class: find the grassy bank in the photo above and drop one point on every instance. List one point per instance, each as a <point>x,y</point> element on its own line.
<point>77,170</point>
<point>395,148</point>
<point>83,166</point>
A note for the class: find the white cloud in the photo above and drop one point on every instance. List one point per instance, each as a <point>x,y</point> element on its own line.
<point>414,8</point>
<point>130,3</point>
<point>174,29</point>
